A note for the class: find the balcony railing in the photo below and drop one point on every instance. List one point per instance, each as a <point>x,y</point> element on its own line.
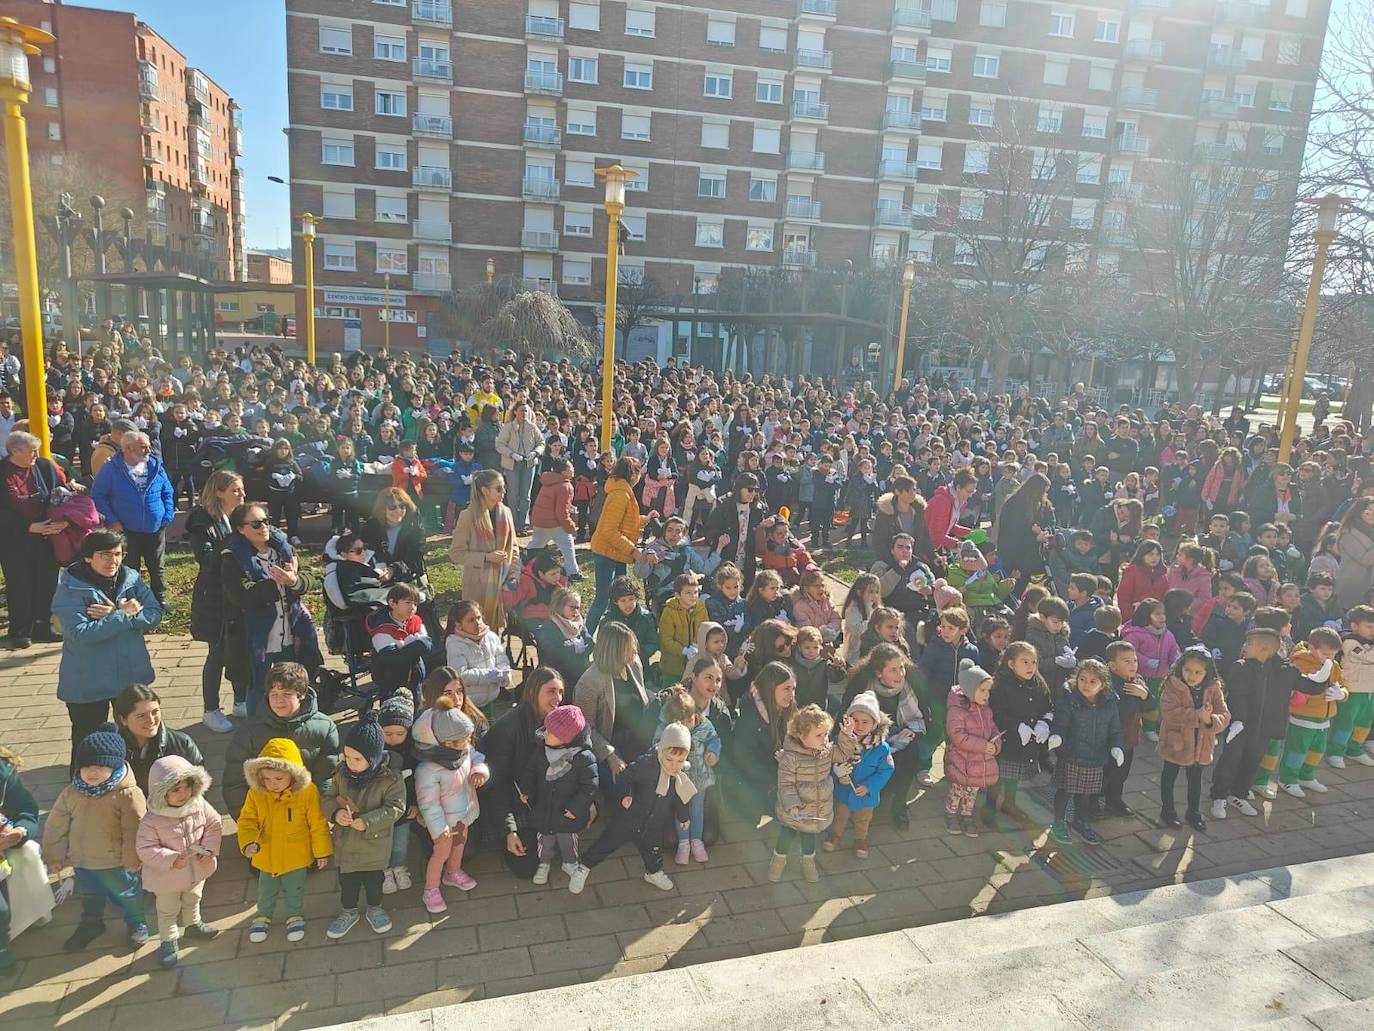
<point>1144,50</point>
<point>804,209</point>
<point>1241,12</point>
<point>1132,143</point>
<point>1219,107</point>
<point>200,93</point>
<point>544,82</point>
<point>1139,98</point>
<point>910,18</point>
<point>904,120</point>
<point>433,125</point>
<point>893,215</point>
<point>543,285</point>
<point>539,135</point>
<point>539,239</point>
<point>432,282</point>
<point>539,189</point>
<point>432,177</point>
<point>911,70</point>
<point>543,27</point>
<point>1148,5</point>
<point>1226,59</point>
<point>147,80</point>
<point>815,110</point>
<point>815,59</point>
<point>798,257</point>
<point>433,68</point>
<point>895,168</point>
<point>438,232</point>
<point>819,8</point>
<point>806,161</point>
<point>431,12</point>
<point>157,213</point>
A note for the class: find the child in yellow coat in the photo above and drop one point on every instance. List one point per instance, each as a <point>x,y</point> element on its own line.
<point>677,627</point>
<point>282,830</point>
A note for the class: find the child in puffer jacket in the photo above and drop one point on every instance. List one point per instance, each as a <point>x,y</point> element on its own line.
<point>446,781</point>
<point>178,843</point>
<point>1350,730</point>
<point>679,707</point>
<point>559,784</point>
<point>1156,651</point>
<point>1087,726</point>
<point>474,650</point>
<point>806,790</point>
<point>974,742</point>
<point>863,766</point>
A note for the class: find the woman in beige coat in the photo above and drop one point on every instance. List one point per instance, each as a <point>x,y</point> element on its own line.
<point>484,545</point>
<point>614,685</point>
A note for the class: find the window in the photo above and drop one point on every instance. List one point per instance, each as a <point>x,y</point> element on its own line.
<point>767,139</point>
<point>710,234</point>
<point>933,106</point>
<point>985,66</point>
<point>577,223</point>
<point>581,122</point>
<point>1280,97</point>
<point>391,158</point>
<point>579,173</point>
<point>392,208</point>
<point>902,52</point>
<point>1051,118</point>
<point>634,127</point>
<point>963,253</point>
<point>639,76</point>
<point>768,91</point>
<point>1094,125</point>
<point>50,65</point>
<point>922,248</point>
<point>391,103</point>
<point>993,14</point>
<point>938,59</point>
<point>715,135</point>
<point>720,32</point>
<point>336,152</point>
<point>1273,143</point>
<point>765,191</point>
<point>584,16</point>
<point>1290,50</point>
<point>773,38</point>
<point>336,97</point>
<point>1056,71</point>
<point>971,207</point>
<point>338,203</point>
<point>718,85</point>
<point>1108,30</point>
<point>925,203</point>
<point>1244,93</point>
<point>639,184</point>
<point>930,155</point>
<point>50,96</point>
<point>1082,213</point>
<point>1100,77</point>
<point>336,40</point>
<point>340,256</point>
<point>1295,8</point>
<point>639,23</point>
<point>758,238</point>
<point>577,271</point>
<point>582,69</point>
<point>389,48</point>
<point>54,131</point>
<point>711,184</point>
<point>392,259</point>
<point>975,160</point>
<point>980,114</point>
<point>1061,23</point>
<point>1043,164</point>
<point>1089,171</point>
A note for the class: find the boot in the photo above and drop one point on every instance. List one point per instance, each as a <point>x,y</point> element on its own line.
<point>777,866</point>
<point>809,870</point>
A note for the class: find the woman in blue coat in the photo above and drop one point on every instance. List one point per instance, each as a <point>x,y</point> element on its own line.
<point>105,608</point>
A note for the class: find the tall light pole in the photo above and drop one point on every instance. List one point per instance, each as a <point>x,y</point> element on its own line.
<point>386,313</point>
<point>1328,209</point>
<point>908,280</point>
<point>308,224</point>
<point>17,42</point>
<point>616,178</point>
<point>491,271</point>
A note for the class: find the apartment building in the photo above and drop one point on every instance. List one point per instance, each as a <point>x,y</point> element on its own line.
<point>116,98</point>
<point>435,135</point>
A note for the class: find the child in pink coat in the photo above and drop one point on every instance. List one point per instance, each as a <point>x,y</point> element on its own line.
<point>973,745</point>
<point>1148,632</point>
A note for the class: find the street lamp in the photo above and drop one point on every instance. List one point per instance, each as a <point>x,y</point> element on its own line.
<point>308,223</point>
<point>17,42</point>
<point>908,280</point>
<point>1328,210</point>
<point>491,271</point>
<point>616,178</point>
<point>386,313</point>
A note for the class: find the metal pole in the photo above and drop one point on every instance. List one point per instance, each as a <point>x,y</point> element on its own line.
<point>309,241</point>
<point>1309,325</point>
<point>386,314</point>
<point>608,341</point>
<point>907,282</point>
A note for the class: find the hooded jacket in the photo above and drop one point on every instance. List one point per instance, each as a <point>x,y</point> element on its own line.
<point>617,530</point>
<point>101,657</point>
<point>1309,706</point>
<point>1188,734</point>
<point>1139,582</point>
<point>1048,647</point>
<point>1090,730</point>
<point>168,742</point>
<point>1357,663</point>
<point>95,833</point>
<point>446,798</point>
<point>969,728</point>
<point>1156,649</point>
<point>166,832</point>
<point>484,665</point>
<point>552,509</point>
<point>119,499</point>
<point>575,791</point>
<point>288,826</point>
<point>806,790</point>
<point>314,734</point>
<point>677,629</point>
<point>379,804</point>
<point>873,770</point>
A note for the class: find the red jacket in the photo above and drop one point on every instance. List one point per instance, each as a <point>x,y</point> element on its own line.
<point>1198,583</point>
<point>552,508</point>
<point>942,514</point>
<point>1139,582</point>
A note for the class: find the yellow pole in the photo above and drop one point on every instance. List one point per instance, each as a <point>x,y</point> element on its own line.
<point>1293,398</point>
<point>608,341</point>
<point>386,314</point>
<point>901,337</point>
<point>1288,375</point>
<point>309,239</point>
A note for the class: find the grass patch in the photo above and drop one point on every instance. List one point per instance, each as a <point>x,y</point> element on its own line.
<point>847,563</point>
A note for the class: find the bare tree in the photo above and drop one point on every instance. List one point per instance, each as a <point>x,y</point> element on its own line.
<point>640,301</point>
<point>538,321</point>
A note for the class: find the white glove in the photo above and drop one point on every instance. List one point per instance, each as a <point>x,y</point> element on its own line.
<point>1119,757</point>
<point>1216,653</point>
<point>1055,741</point>
<point>1293,552</point>
<point>1226,564</point>
<point>1066,660</point>
<point>577,644</point>
<point>1322,674</point>
<point>738,624</point>
<point>747,648</point>
<point>467,480</point>
<point>1334,693</point>
<point>343,474</point>
<point>1042,732</point>
<point>690,652</point>
<point>1234,729</point>
<point>917,726</point>
<point>1026,733</point>
<point>283,479</point>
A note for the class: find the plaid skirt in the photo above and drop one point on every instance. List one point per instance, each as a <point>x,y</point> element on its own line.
<point>1078,779</point>
<point>1011,769</point>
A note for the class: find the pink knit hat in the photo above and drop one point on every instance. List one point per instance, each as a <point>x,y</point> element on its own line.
<point>565,723</point>
<point>945,595</point>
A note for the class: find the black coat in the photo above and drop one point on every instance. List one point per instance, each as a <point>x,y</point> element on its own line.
<point>753,760</point>
<point>649,814</point>
<point>14,528</point>
<point>1015,701</point>
<point>1257,695</point>
<point>207,596</point>
<point>509,746</point>
<point>407,562</point>
<point>574,792</point>
<point>724,520</point>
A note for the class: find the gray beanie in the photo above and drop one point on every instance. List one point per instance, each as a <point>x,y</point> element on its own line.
<point>867,702</point>
<point>970,676</point>
<point>450,725</point>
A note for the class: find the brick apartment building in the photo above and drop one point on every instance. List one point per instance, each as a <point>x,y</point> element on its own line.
<point>116,97</point>
<point>433,136</point>
<point>268,268</point>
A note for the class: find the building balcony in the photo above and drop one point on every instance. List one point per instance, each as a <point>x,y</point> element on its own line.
<point>538,135</point>
<point>146,121</point>
<point>806,161</point>
<point>1148,5</point>
<point>798,257</point>
<point>944,10</point>
<point>157,213</point>
<point>810,110</point>
<point>1132,143</point>
<point>816,60</point>
<point>236,141</point>
<point>539,239</point>
<point>1226,59</point>
<point>432,282</point>
<point>892,215</point>
<point>1123,191</point>
<point>433,231</point>
<point>895,168</point>
<point>1118,235</point>
<point>1143,51</point>
<point>1218,107</point>
<point>433,125</point>
<point>199,173</point>
<point>1211,151</point>
<point>199,93</point>
<point>431,12</point>
<point>803,209</point>
<point>902,121</point>
<point>1241,12</point>
<point>1138,98</point>
<point>147,80</point>
<point>910,18</point>
<point>542,27</point>
<point>539,189</point>
<point>432,177</point>
<point>908,71</point>
<point>432,70</point>
<point>824,9</point>
<point>539,285</point>
<point>550,83</point>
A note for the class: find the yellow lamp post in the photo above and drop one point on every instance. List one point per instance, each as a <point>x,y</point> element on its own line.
<point>17,42</point>
<point>1328,209</point>
<point>386,313</point>
<point>616,178</point>
<point>308,224</point>
<point>491,271</point>
<point>908,280</point>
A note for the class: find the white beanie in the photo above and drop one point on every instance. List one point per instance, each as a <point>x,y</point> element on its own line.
<point>675,735</point>
<point>867,702</point>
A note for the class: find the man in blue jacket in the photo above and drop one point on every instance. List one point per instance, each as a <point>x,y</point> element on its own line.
<point>133,495</point>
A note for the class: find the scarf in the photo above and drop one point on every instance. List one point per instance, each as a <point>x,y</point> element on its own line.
<point>448,758</point>
<point>103,788</point>
<point>358,781</point>
<point>476,638</point>
<point>908,708</point>
<point>683,784</point>
<point>572,629</point>
<point>560,760</point>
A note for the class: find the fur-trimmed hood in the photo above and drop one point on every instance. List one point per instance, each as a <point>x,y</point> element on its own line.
<point>887,504</point>
<point>169,771</point>
<point>280,753</point>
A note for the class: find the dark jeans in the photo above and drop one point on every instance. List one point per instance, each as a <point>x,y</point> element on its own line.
<point>85,717</point>
<point>1234,773</point>
<point>607,569</point>
<point>30,580</point>
<point>905,765</point>
<point>1169,775</point>
<point>116,885</point>
<point>619,833</point>
<point>392,667</point>
<point>1114,779</point>
<point>1082,806</point>
<point>524,866</point>
<point>284,506</point>
<point>212,675</point>
<point>151,550</point>
<point>787,835</point>
<point>367,882</point>
<point>185,476</point>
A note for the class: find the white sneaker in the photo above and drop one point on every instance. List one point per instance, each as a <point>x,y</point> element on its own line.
<point>577,880</point>
<point>1315,785</point>
<point>241,710</point>
<point>402,874</point>
<point>388,882</point>
<point>1151,735</point>
<point>1218,808</point>
<point>1364,759</point>
<point>660,880</point>
<point>1369,746</point>
<point>925,779</point>
<point>1336,762</point>
<point>217,721</point>
<point>541,874</point>
<point>1295,790</point>
<point>1243,807</point>
<point>1270,790</point>
<point>570,868</point>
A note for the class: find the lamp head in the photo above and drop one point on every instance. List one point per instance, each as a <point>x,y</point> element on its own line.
<point>908,272</point>
<point>616,177</point>
<point>17,43</point>
<point>1329,209</point>
<point>308,226</point>
<point>491,266</point>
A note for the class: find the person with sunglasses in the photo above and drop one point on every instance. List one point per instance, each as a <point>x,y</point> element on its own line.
<point>397,538</point>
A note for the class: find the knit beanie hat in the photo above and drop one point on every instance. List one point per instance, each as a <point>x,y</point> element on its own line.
<point>968,551</point>
<point>102,747</point>
<point>398,710</point>
<point>365,737</point>
<point>675,735</point>
<point>866,702</point>
<point>945,595</point>
<point>970,676</point>
<point>450,724</point>
<point>565,723</point>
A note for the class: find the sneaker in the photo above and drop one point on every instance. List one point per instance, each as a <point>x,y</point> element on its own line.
<point>201,931</point>
<point>969,825</point>
<point>1369,746</point>
<point>241,710</point>
<point>1169,818</point>
<point>167,955</point>
<point>699,853</point>
<point>925,779</point>
<point>1218,808</point>
<point>295,928</point>
<point>570,868</point>
<point>458,879</point>
<point>660,880</point>
<point>810,871</point>
<point>1336,762</point>
<point>1270,790</point>
<point>257,931</point>
<point>1241,806</point>
<point>82,937</point>
<point>1196,821</point>
<point>138,934</point>
<point>377,919</point>
<point>343,923</point>
<point>1060,833</point>
<point>1086,832</point>
<point>861,850</point>
<point>217,721</point>
<point>577,880</point>
<point>388,882</point>
<point>776,866</point>
<point>541,873</point>
<point>684,852</point>
<point>1119,809</point>
<point>1314,785</point>
<point>402,878</point>
<point>952,825</point>
<point>1151,735</point>
<point>433,899</point>
<point>1363,758</point>
<point>1294,790</point>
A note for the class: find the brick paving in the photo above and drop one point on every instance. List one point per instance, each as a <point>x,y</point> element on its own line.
<point>510,936</point>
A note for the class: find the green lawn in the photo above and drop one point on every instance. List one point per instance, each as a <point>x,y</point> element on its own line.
<point>846,563</point>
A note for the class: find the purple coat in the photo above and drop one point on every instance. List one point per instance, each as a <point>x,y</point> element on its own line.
<point>1156,649</point>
